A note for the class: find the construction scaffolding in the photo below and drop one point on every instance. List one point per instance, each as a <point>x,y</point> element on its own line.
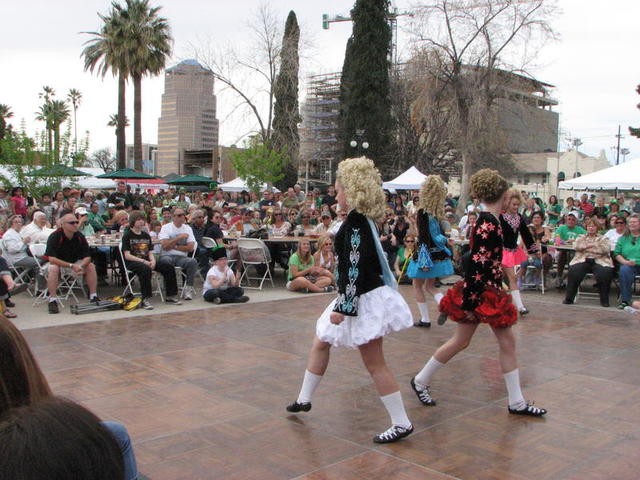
<point>319,143</point>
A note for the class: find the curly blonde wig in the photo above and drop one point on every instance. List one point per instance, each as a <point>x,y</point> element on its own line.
<point>362,184</point>
<point>514,193</point>
<point>432,195</point>
<point>488,185</point>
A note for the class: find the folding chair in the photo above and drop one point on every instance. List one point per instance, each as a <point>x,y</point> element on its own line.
<point>538,272</point>
<point>19,273</point>
<point>208,242</point>
<point>181,272</point>
<point>581,293</point>
<point>129,275</point>
<point>66,284</point>
<point>254,252</point>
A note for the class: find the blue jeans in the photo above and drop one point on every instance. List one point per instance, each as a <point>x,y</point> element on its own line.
<point>121,435</point>
<point>626,276</point>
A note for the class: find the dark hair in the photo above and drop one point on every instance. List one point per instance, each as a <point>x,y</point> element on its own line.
<point>165,209</point>
<point>58,440</point>
<point>15,189</point>
<point>137,215</point>
<point>539,213</point>
<point>554,198</point>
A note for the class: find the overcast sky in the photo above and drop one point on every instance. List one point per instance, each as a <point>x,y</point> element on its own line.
<point>594,66</point>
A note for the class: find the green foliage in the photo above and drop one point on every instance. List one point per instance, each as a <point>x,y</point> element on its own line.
<point>365,105</point>
<point>258,164</point>
<point>285,138</point>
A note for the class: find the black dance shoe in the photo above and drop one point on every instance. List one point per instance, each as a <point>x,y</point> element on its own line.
<point>422,324</point>
<point>296,407</point>
<point>442,318</point>
<point>529,410</point>
<point>393,434</point>
<point>423,395</point>
<point>524,311</point>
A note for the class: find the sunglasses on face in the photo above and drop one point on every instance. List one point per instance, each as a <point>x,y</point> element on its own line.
<point>74,222</point>
<point>409,241</point>
<point>178,214</point>
<point>620,223</point>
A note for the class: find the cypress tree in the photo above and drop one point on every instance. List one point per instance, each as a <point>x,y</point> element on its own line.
<point>364,90</point>
<point>286,116</point>
<point>635,131</point>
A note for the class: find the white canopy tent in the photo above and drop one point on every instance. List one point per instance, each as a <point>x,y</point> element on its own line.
<point>625,176</point>
<point>238,185</point>
<point>410,180</point>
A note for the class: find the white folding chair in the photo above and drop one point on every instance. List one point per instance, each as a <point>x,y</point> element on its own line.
<point>537,273</point>
<point>129,275</point>
<point>254,252</point>
<point>20,274</point>
<point>208,242</point>
<point>182,273</point>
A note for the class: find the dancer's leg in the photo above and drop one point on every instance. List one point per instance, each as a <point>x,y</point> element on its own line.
<point>515,291</point>
<point>418,288</point>
<point>316,366</point>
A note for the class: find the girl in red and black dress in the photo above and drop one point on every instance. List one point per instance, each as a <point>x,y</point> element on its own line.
<point>513,227</point>
<point>479,298</point>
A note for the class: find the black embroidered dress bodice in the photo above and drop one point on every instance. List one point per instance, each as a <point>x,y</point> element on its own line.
<point>359,269</point>
<point>512,225</point>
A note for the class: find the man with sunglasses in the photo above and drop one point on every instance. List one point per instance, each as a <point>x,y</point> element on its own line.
<point>178,242</point>
<point>68,253</point>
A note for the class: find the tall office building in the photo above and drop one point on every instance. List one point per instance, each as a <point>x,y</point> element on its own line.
<point>188,127</point>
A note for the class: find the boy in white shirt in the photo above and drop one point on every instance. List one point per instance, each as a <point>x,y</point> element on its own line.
<point>221,284</point>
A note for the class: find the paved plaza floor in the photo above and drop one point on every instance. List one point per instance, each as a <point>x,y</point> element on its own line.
<point>203,392</point>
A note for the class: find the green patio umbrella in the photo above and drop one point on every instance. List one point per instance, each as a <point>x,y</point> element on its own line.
<point>57,170</point>
<point>191,180</point>
<point>126,174</point>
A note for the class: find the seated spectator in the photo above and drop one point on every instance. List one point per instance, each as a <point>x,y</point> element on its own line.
<point>566,234</point>
<point>16,248</point>
<point>136,249</point>
<point>58,437</point>
<point>469,224</point>
<point>602,223</point>
<point>619,227</point>
<point>84,227</point>
<point>304,228</point>
<point>22,384</point>
<point>95,219</point>
<point>213,227</point>
<point>404,257</point>
<point>68,252</point>
<point>291,200</point>
<point>324,225</point>
<point>593,255</point>
<point>38,230</point>
<point>627,253</point>
<point>154,230</point>
<point>8,287</point>
<point>585,205</point>
<point>325,256</point>
<point>199,229</point>
<point>166,215</point>
<point>570,207</point>
<point>177,242</point>
<point>99,255</point>
<point>541,259</point>
<point>304,276</point>
<point>221,284</point>
<point>600,208</point>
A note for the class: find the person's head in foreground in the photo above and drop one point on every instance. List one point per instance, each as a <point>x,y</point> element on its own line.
<point>56,439</point>
<point>359,186</point>
<point>489,187</point>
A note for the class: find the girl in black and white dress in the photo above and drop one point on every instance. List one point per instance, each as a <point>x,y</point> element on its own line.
<point>368,305</point>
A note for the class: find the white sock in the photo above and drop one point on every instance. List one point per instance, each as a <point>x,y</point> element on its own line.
<point>53,299</point>
<point>438,296</point>
<point>516,400</point>
<point>423,379</point>
<point>515,294</point>
<point>309,385</point>
<point>92,296</point>
<point>424,312</point>
<point>395,408</point>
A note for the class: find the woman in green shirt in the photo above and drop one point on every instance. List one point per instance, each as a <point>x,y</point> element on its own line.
<point>553,211</point>
<point>627,253</point>
<point>304,276</point>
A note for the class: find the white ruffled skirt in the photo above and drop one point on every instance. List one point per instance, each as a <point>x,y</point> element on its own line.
<point>380,311</point>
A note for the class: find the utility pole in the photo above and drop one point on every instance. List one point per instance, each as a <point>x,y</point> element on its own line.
<point>619,136</point>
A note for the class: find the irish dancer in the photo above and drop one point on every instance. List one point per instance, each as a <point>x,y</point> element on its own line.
<point>479,298</point>
<point>368,305</point>
<point>432,257</point>
<point>514,226</point>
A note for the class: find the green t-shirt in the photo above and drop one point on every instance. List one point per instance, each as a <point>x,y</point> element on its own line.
<point>629,247</point>
<point>565,233</point>
<point>554,219</point>
<point>295,260</point>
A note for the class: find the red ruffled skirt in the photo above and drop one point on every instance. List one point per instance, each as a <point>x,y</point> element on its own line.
<point>512,258</point>
<point>495,307</point>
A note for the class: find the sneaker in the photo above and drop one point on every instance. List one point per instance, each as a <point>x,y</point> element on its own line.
<point>442,318</point>
<point>629,309</point>
<point>95,299</point>
<point>329,288</point>
<point>422,324</point>
<point>53,307</point>
<point>242,299</point>
<point>393,434</point>
<point>174,300</point>
<point>622,305</point>
<point>529,410</point>
<point>296,407</point>
<point>9,303</point>
<point>188,293</point>
<point>217,300</point>
<point>424,395</point>
<point>146,304</point>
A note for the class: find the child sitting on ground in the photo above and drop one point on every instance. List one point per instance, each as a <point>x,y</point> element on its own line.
<point>221,284</point>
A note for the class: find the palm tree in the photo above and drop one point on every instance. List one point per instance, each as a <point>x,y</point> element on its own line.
<point>75,97</point>
<point>113,121</point>
<point>148,45</point>
<point>5,113</point>
<point>59,111</point>
<point>44,114</point>
<point>105,52</point>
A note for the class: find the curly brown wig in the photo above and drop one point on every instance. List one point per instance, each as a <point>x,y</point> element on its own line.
<point>488,185</point>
